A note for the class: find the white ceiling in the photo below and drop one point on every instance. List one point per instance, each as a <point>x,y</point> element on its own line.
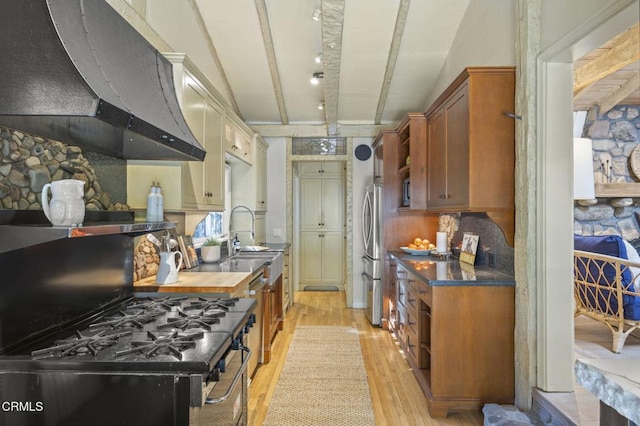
<point>381,57</point>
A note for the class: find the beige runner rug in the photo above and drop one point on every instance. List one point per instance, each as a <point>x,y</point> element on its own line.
<point>323,380</point>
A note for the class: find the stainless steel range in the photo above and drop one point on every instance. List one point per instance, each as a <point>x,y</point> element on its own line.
<point>79,347</point>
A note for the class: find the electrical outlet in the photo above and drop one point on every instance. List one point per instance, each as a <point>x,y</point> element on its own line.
<point>277,232</point>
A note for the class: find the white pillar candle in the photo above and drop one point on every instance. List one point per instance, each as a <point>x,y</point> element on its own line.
<point>441,242</point>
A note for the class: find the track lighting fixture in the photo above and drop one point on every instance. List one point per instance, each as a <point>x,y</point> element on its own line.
<point>321,105</point>
<point>315,79</point>
<point>318,58</point>
<point>316,15</point>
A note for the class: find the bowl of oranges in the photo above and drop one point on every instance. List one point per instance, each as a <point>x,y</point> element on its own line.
<point>419,247</point>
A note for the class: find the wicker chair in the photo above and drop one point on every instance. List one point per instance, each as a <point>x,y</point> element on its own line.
<point>604,291</point>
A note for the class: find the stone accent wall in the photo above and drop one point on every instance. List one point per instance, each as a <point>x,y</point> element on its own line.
<point>614,134</point>
<point>145,259</point>
<point>28,162</point>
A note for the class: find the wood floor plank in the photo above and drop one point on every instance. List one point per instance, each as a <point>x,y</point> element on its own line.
<point>396,396</point>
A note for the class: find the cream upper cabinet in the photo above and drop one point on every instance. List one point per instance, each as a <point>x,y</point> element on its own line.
<point>321,204</point>
<point>203,182</point>
<point>238,140</point>
<point>249,182</point>
<point>188,184</point>
<point>321,169</point>
<point>261,173</point>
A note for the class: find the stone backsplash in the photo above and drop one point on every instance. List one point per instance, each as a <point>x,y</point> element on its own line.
<point>493,249</point>
<point>614,135</point>
<point>28,162</point>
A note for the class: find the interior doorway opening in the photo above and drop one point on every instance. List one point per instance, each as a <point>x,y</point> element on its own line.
<point>319,225</point>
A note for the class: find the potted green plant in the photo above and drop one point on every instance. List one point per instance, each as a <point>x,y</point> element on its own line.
<point>210,250</point>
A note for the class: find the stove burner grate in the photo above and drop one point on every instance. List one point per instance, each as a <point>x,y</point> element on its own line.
<point>184,321</point>
<point>129,320</point>
<point>212,304</point>
<point>150,303</point>
<point>80,345</point>
<point>159,344</point>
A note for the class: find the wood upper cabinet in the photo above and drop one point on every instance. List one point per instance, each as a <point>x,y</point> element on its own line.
<point>471,149</point>
<point>412,160</point>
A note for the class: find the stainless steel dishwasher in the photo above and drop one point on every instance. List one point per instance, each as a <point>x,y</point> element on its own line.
<point>255,337</point>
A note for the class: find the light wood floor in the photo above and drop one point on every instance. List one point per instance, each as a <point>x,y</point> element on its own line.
<point>397,398</point>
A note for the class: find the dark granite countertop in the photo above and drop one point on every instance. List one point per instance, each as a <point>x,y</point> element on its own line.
<point>452,272</point>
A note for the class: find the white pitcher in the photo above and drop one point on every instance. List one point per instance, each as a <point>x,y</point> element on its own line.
<point>167,270</point>
<point>67,202</point>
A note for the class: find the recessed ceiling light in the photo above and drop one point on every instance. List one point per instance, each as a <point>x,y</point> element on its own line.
<point>316,15</point>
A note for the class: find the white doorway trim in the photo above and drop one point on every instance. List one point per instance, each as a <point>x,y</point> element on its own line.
<point>348,160</point>
<point>554,211</point>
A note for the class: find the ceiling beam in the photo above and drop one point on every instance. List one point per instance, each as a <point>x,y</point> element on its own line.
<point>263,16</point>
<point>319,130</point>
<point>401,20</point>
<point>618,95</point>
<point>625,51</point>
<point>332,21</point>
<point>214,54</point>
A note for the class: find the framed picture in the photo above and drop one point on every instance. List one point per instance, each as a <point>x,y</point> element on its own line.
<point>469,248</point>
<point>189,255</point>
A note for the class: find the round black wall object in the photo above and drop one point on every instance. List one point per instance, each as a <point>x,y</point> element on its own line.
<point>363,152</point>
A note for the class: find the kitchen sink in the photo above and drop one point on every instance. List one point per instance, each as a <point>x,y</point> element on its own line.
<point>233,264</point>
<point>254,255</point>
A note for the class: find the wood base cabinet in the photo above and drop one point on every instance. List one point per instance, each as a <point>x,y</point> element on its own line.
<point>458,341</point>
<point>273,315</point>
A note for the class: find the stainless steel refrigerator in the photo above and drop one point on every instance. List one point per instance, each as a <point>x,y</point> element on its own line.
<point>372,238</point>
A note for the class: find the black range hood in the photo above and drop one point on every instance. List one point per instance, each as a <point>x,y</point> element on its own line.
<point>77,72</point>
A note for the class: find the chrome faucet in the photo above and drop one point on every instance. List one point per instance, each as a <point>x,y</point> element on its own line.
<point>253,222</point>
